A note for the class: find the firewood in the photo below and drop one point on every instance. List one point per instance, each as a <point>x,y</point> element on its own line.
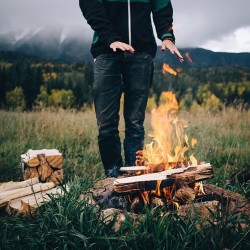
<point>30,173</point>
<point>44,170</point>
<point>134,168</point>
<point>28,204</point>
<point>184,195</point>
<point>136,205</point>
<point>55,161</point>
<point>14,208</point>
<point>102,189</point>
<point>56,177</point>
<point>31,204</point>
<point>15,185</point>
<point>223,194</point>
<point>233,202</point>
<point>30,157</point>
<point>6,196</point>
<point>157,202</point>
<point>34,162</point>
<point>148,182</point>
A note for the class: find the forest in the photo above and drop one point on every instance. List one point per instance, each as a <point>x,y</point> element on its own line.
<point>28,83</point>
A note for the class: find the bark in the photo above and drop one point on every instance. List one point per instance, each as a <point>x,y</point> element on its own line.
<point>184,195</point>
<point>201,211</point>
<point>231,201</point>
<point>148,182</point>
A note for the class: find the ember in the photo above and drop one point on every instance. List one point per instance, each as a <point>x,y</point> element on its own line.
<point>167,68</point>
<point>187,54</point>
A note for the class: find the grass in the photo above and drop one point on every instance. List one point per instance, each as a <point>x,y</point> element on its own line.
<point>67,223</point>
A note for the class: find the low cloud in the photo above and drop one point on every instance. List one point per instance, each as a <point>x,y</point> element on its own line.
<point>196,22</point>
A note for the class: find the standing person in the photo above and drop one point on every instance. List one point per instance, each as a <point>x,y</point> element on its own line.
<point>123,48</point>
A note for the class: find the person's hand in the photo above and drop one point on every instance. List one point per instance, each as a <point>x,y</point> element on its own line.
<point>168,44</point>
<point>122,46</point>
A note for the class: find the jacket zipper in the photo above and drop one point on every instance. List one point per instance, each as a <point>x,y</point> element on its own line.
<point>129,23</point>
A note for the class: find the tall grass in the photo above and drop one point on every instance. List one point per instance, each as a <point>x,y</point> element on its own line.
<point>67,223</point>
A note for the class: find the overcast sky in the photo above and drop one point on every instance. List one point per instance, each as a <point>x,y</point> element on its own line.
<point>219,25</point>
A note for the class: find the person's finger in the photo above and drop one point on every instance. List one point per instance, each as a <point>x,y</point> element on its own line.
<point>163,46</point>
<point>113,48</point>
<point>122,46</point>
<point>127,47</point>
<point>177,52</point>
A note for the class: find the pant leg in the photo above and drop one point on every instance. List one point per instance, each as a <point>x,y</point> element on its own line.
<point>107,92</point>
<point>137,75</point>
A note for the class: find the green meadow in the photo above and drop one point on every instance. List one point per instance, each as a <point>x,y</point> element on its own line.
<point>67,223</point>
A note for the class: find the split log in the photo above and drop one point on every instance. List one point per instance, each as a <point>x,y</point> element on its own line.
<point>44,170</point>
<point>45,163</point>
<point>31,204</point>
<point>55,161</point>
<point>30,157</point>
<point>28,204</point>
<point>148,182</point>
<point>6,196</point>
<point>184,195</point>
<point>134,168</point>
<point>30,173</point>
<point>15,185</point>
<point>56,177</point>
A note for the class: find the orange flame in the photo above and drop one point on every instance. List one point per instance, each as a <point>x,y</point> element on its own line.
<point>187,54</point>
<point>167,68</point>
<point>169,142</point>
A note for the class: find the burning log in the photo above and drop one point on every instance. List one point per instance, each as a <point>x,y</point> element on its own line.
<point>184,195</point>
<point>46,164</point>
<point>148,182</point>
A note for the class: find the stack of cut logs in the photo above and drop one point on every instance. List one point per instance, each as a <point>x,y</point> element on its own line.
<point>42,172</point>
<point>46,164</point>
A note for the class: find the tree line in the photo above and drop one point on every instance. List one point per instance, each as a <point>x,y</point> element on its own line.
<point>27,84</point>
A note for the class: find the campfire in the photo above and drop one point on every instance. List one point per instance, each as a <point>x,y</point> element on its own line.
<point>166,173</point>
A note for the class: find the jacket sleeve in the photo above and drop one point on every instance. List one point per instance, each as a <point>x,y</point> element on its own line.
<point>163,19</point>
<point>96,16</point>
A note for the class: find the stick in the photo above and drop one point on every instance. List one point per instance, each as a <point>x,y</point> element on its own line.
<point>6,196</point>
<point>15,185</point>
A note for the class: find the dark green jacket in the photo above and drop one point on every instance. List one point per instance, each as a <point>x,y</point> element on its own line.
<point>128,21</point>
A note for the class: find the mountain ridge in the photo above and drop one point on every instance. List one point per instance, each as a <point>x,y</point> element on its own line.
<point>72,44</point>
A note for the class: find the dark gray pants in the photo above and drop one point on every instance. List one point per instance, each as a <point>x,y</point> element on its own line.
<point>115,73</point>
